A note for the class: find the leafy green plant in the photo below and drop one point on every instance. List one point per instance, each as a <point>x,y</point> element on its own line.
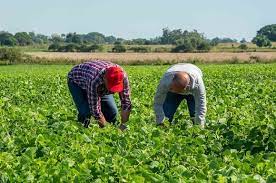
<point>41,140</point>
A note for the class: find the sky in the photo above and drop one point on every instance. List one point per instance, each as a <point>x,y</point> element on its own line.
<point>128,19</point>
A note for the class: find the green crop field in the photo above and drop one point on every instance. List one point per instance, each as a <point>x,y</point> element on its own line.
<point>41,140</point>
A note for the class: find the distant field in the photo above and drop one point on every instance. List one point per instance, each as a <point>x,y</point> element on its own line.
<point>234,47</point>
<point>222,47</point>
<point>156,57</point>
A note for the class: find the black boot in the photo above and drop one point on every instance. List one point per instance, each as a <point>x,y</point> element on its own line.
<point>86,122</point>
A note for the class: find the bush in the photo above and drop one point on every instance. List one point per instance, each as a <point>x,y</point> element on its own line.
<point>71,48</point>
<point>54,47</point>
<point>243,47</point>
<point>140,49</point>
<point>92,48</point>
<point>95,48</point>
<point>204,46</point>
<point>75,48</point>
<point>10,55</point>
<point>162,49</point>
<point>118,48</point>
<point>184,45</point>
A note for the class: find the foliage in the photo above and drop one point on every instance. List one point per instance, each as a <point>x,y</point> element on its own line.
<point>91,48</point>
<point>23,38</point>
<point>162,49</point>
<point>215,41</point>
<point>243,41</point>
<point>269,31</point>
<point>243,46</point>
<point>56,39</point>
<point>10,55</point>
<point>118,47</point>
<point>261,41</point>
<point>41,141</point>
<point>7,39</point>
<point>140,49</point>
<point>95,37</point>
<point>110,39</point>
<point>75,48</point>
<point>191,42</point>
<point>73,38</point>
<point>54,47</point>
<point>39,38</point>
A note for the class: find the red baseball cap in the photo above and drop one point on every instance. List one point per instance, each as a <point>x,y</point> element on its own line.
<point>115,79</point>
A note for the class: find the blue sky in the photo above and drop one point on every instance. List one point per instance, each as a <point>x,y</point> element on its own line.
<point>138,19</point>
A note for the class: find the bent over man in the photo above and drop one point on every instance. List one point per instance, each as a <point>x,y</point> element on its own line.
<point>181,81</point>
<point>92,85</point>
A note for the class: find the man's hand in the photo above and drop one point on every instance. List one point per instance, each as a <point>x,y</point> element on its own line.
<point>102,121</point>
<point>123,127</point>
<point>124,119</point>
<point>124,116</point>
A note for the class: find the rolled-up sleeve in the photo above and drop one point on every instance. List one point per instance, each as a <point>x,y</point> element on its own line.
<point>125,96</point>
<point>160,97</point>
<point>200,102</point>
<point>94,100</point>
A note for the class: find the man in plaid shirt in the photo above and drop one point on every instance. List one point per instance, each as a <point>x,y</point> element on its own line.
<point>92,85</point>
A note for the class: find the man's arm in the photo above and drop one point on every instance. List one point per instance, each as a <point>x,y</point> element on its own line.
<point>200,103</point>
<point>94,102</point>
<point>160,97</point>
<point>125,103</point>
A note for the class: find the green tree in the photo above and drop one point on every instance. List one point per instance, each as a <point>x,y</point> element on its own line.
<point>39,38</point>
<point>139,41</point>
<point>73,38</point>
<point>95,48</point>
<point>56,38</point>
<point>23,38</point>
<point>215,41</point>
<point>94,37</point>
<point>54,47</point>
<point>170,37</point>
<point>156,40</point>
<point>43,38</point>
<point>7,39</point>
<point>261,41</point>
<point>191,42</point>
<point>110,39</point>
<point>243,41</point>
<point>243,46</point>
<point>269,31</point>
<point>184,45</point>
<point>118,47</point>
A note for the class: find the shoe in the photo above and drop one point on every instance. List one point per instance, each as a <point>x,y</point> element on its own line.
<point>80,118</point>
<point>86,122</point>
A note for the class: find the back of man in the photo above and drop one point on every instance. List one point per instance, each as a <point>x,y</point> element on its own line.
<point>92,85</point>
<point>166,100</point>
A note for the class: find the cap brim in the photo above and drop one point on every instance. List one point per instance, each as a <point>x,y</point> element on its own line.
<point>116,88</point>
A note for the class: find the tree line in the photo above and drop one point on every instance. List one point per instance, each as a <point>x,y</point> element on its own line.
<point>182,40</point>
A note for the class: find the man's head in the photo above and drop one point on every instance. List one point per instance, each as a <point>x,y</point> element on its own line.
<point>180,82</point>
<point>114,79</point>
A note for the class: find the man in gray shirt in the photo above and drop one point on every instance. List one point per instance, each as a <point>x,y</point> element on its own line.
<point>181,81</point>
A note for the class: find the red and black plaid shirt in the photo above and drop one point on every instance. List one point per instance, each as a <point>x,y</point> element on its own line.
<point>89,76</point>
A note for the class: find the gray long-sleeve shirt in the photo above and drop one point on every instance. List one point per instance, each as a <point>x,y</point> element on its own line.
<point>195,87</point>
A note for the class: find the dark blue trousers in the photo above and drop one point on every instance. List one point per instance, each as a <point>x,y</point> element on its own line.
<point>108,105</point>
<point>172,102</point>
